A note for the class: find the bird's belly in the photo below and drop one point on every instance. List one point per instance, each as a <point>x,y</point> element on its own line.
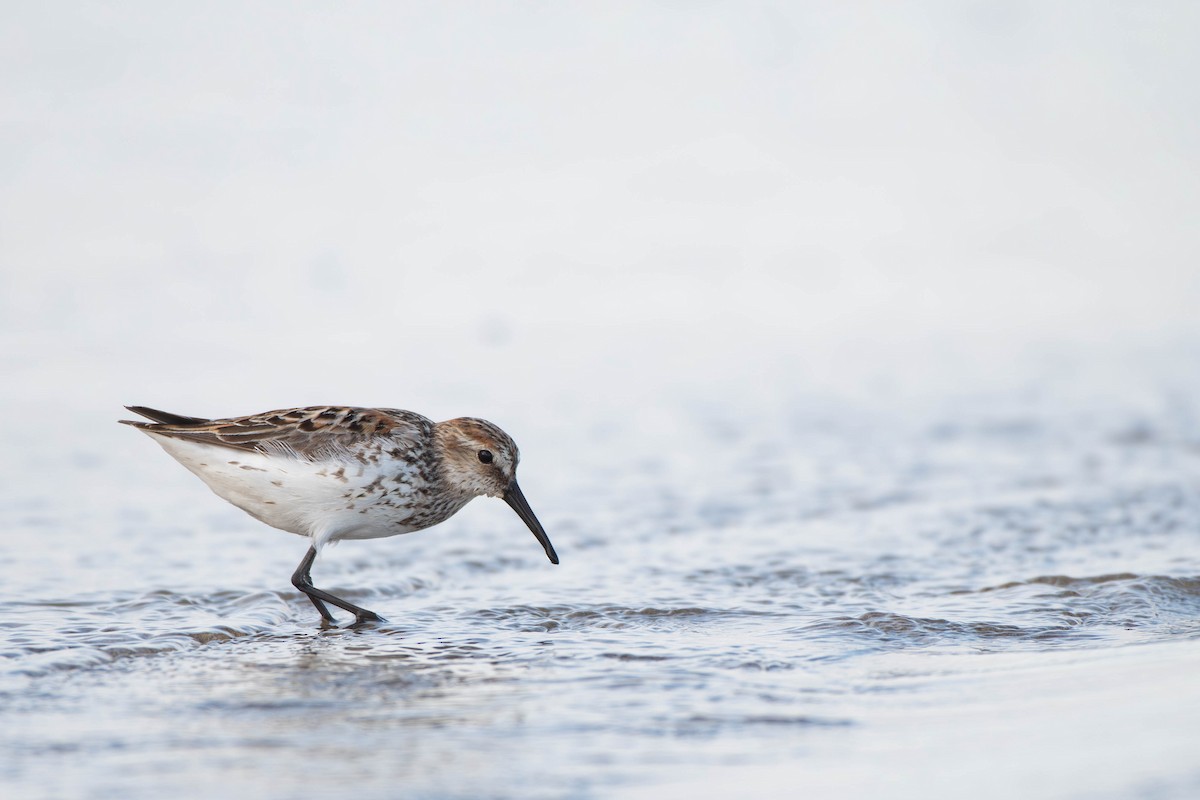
<point>374,517</point>
<point>324,500</point>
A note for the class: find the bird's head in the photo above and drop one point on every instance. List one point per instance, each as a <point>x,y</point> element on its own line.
<point>478,459</point>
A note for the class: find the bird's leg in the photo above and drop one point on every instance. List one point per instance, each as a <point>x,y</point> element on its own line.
<point>303,581</point>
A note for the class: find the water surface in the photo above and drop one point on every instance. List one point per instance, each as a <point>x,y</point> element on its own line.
<point>843,599</point>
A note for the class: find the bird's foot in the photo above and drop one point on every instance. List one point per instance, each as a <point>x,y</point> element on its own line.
<point>364,617</point>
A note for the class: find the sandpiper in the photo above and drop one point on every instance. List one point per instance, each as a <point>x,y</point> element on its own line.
<point>337,472</point>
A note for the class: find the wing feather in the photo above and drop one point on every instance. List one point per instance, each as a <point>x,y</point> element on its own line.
<point>315,433</point>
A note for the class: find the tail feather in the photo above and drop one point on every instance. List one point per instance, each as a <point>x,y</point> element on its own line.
<point>164,417</point>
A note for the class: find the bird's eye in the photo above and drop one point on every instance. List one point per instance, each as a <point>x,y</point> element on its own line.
<point>485,456</point>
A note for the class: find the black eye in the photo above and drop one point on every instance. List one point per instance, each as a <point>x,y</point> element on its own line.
<point>485,456</point>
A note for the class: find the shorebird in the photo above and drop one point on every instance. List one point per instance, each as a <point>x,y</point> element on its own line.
<point>337,472</point>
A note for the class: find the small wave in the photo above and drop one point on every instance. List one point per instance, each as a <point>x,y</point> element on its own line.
<point>1121,599</point>
<point>1044,609</point>
<point>1059,580</point>
<point>549,618</point>
<point>738,721</point>
<point>634,657</point>
<point>58,635</point>
<point>898,628</point>
<point>744,576</point>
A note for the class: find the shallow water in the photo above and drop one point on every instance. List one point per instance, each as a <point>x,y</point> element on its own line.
<point>1001,595</point>
<point>852,352</point>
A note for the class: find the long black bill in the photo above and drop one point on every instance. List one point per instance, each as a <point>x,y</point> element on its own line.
<point>520,505</point>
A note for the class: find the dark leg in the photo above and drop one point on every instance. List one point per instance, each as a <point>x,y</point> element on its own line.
<point>302,581</point>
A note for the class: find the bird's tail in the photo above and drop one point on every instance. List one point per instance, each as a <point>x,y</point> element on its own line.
<point>164,417</point>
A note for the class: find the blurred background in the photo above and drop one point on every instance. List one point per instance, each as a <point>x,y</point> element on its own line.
<point>753,285</point>
<point>360,204</point>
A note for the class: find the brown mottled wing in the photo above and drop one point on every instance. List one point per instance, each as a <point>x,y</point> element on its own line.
<point>310,433</point>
